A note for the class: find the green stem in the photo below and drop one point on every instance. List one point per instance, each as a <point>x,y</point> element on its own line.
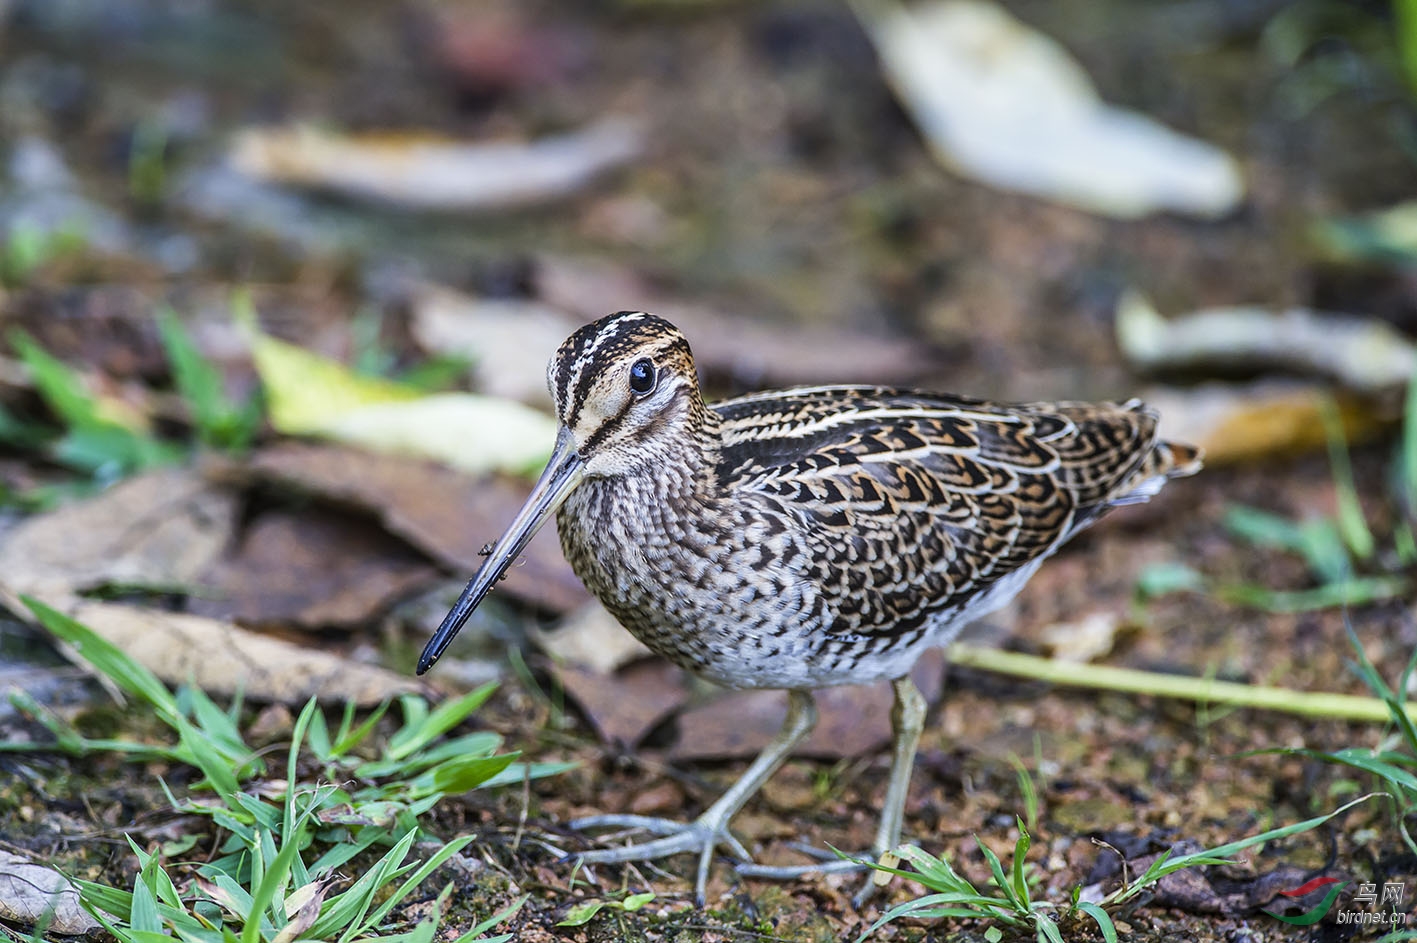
<point>1181,687</point>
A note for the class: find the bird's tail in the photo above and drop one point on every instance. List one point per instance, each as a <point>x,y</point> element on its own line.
<point>1165,461</point>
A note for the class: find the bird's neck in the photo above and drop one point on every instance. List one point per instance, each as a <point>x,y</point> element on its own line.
<point>674,483</point>
<point>687,466</point>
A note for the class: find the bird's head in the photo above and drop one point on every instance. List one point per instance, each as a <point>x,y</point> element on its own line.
<point>626,398</point>
<point>626,392</point>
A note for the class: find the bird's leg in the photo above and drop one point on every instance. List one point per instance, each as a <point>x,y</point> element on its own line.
<point>907,723</point>
<point>710,829</point>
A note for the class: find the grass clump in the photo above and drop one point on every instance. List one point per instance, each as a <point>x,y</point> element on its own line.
<point>274,871</point>
<point>104,439</point>
<point>1009,900</point>
<point>1392,761</point>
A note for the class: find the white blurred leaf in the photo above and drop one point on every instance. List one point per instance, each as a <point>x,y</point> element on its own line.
<point>508,340</point>
<point>1363,354</point>
<point>436,174</point>
<point>1006,105</point>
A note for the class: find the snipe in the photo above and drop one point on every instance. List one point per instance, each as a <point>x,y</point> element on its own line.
<point>807,537</point>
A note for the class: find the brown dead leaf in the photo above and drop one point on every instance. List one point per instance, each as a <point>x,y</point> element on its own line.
<point>1239,423</point>
<point>312,568</point>
<point>740,349</point>
<point>590,638</point>
<point>624,706</point>
<point>161,529</point>
<point>448,516</point>
<point>851,719</point>
<point>222,658</point>
<point>485,48</point>
<point>664,798</point>
<point>1210,890</point>
<point>303,908</point>
<point>31,894</point>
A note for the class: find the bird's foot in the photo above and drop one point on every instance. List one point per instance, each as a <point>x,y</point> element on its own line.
<point>828,862</point>
<point>702,835</point>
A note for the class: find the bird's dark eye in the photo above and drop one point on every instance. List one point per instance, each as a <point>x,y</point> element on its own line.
<point>642,376</point>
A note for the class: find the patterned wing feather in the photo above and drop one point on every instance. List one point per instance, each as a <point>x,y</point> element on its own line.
<point>910,505</point>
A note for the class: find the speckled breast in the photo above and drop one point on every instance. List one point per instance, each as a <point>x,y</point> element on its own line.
<point>717,589</point>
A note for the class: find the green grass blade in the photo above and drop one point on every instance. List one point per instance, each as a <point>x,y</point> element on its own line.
<point>482,743</point>
<point>271,883</point>
<point>1020,853</point>
<point>1408,460</point>
<point>1396,936</point>
<point>197,381</point>
<point>1221,854</point>
<point>1103,919</point>
<point>219,422</point>
<point>944,905</point>
<point>107,658</point>
<point>448,715</point>
<point>58,385</point>
<point>935,873</point>
<point>1264,529</point>
<point>69,741</point>
<point>1364,760</point>
<point>1350,510</point>
<point>204,755</point>
<point>113,901</point>
<point>144,915</point>
<point>1047,930</point>
<point>345,851</point>
<point>418,877</point>
<point>292,762</point>
<point>349,907</point>
<point>459,775</point>
<point>1370,675</point>
<point>348,739</point>
<point>1355,591</point>
<point>1027,791</point>
<point>415,713</point>
<point>217,726</point>
<point>996,868</point>
<point>521,772</point>
<point>498,918</point>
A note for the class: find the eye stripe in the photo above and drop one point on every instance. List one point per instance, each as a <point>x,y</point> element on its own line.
<point>606,427</point>
<point>592,347</point>
<point>608,344</point>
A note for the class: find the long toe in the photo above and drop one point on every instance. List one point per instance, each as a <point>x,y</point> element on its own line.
<point>792,872</point>
<point>647,823</point>
<point>678,838</point>
<point>684,841</point>
<point>829,863</point>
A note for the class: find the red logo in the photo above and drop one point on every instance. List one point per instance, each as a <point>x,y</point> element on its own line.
<point>1308,887</point>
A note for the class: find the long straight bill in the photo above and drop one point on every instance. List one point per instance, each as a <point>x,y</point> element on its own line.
<point>562,474</point>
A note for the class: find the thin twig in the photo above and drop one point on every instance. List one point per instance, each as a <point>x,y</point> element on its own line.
<point>1202,690</point>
